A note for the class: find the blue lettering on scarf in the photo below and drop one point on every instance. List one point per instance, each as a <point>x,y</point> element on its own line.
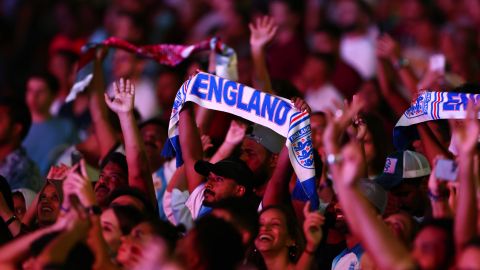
<point>229,95</point>
<point>215,88</point>
<point>200,83</point>
<point>240,105</point>
<point>254,103</point>
<point>279,117</point>
<point>269,107</point>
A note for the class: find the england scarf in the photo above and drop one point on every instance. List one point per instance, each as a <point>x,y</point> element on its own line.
<point>271,111</point>
<point>431,106</point>
<point>165,54</point>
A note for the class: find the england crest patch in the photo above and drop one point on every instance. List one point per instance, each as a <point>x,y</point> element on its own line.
<point>302,147</point>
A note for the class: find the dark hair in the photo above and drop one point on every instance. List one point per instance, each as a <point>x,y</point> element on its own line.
<point>137,194</point>
<point>382,143</point>
<point>327,58</point>
<point>127,216</point>
<point>218,243</point>
<point>284,88</point>
<point>330,29</point>
<point>169,233</point>
<point>154,121</point>
<point>6,192</point>
<point>243,212</point>
<point>69,55</point>
<point>50,80</point>
<point>19,113</point>
<point>469,87</point>
<point>117,158</point>
<point>293,229</point>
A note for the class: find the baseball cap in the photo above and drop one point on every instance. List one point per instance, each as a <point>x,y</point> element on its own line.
<point>374,193</point>
<point>403,165</point>
<point>271,140</point>
<point>232,168</point>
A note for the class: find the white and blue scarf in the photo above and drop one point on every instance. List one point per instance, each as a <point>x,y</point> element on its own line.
<point>431,106</point>
<point>271,111</point>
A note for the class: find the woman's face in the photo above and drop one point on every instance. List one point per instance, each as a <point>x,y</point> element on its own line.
<point>111,229</point>
<point>130,251</point>
<point>273,232</point>
<point>48,205</point>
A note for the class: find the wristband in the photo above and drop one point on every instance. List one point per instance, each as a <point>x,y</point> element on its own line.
<point>436,198</point>
<point>11,220</point>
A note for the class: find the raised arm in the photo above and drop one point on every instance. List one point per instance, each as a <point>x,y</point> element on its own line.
<point>191,146</point>
<point>262,32</point>
<point>103,129</point>
<point>76,230</point>
<point>466,212</point>
<point>438,195</point>
<point>387,251</point>
<point>313,234</point>
<point>277,191</point>
<point>138,169</point>
<point>390,50</point>
<point>235,135</point>
<point>398,103</point>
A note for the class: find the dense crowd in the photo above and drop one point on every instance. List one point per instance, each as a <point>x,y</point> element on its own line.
<point>84,184</point>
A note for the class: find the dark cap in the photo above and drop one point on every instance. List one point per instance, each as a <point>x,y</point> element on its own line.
<point>401,166</point>
<point>232,168</point>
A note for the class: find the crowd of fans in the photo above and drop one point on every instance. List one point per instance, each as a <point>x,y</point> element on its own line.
<point>83,184</point>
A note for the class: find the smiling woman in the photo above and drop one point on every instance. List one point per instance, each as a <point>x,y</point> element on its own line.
<point>49,203</point>
<point>279,239</point>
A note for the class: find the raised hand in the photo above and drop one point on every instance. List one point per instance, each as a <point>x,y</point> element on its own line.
<point>301,105</point>
<point>350,166</point>
<point>80,185</point>
<point>337,123</point>
<point>262,32</point>
<point>388,48</point>
<point>467,131</point>
<point>312,227</point>
<point>236,132</point>
<point>124,97</point>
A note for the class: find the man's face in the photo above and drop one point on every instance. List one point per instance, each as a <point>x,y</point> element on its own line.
<point>153,136</point>
<point>39,97</point>
<point>218,188</point>
<point>409,197</point>
<point>48,205</point>
<point>111,177</point>
<point>6,126</point>
<point>256,157</point>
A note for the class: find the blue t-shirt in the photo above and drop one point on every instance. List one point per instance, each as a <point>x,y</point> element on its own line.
<point>47,140</point>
